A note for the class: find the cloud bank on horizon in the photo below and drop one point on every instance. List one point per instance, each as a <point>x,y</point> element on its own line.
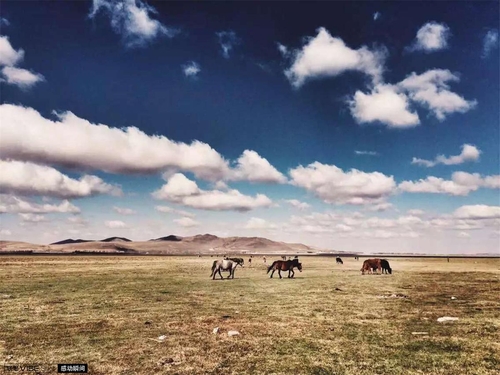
<point>287,156</point>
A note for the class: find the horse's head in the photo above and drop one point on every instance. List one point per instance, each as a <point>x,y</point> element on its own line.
<point>299,266</point>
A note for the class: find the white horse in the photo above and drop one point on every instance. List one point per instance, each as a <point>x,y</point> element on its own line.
<point>224,265</point>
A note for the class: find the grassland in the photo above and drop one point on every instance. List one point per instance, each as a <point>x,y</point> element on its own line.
<point>106,311</point>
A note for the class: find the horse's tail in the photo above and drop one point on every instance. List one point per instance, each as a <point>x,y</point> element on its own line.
<point>213,268</point>
<point>271,267</point>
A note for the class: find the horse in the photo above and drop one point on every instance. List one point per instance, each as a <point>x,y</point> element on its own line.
<point>237,260</point>
<point>371,265</point>
<point>285,265</point>
<point>339,260</point>
<point>224,265</point>
<point>386,268</point>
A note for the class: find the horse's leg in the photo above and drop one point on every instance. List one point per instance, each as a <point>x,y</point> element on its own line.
<point>220,274</point>
<point>279,272</point>
<point>272,273</point>
<point>293,272</point>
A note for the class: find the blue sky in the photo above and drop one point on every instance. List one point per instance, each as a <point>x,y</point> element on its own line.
<point>350,126</point>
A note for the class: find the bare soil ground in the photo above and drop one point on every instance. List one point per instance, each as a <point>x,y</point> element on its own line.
<point>107,311</point>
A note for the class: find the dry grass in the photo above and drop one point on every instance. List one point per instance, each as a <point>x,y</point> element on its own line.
<point>84,309</point>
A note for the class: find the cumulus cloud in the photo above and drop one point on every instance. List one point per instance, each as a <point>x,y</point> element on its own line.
<point>333,185</point>
<point>8,55</point>
<point>27,136</point>
<point>298,204</point>
<point>186,222</point>
<point>124,211</point>
<point>5,232</point>
<point>379,207</point>
<point>369,153</point>
<point>461,184</point>
<point>170,210</point>
<point>114,224</point>
<point>179,189</point>
<point>254,168</point>
<point>258,223</point>
<point>13,204</point>
<point>490,42</point>
<point>132,19</point>
<point>32,179</point>
<point>469,153</point>
<point>477,212</point>
<point>22,78</point>
<point>227,41</point>
<point>431,89</point>
<point>385,104</point>
<point>191,69</point>
<point>327,56</point>
<point>12,75</point>
<point>416,212</point>
<point>32,218</point>
<point>431,37</point>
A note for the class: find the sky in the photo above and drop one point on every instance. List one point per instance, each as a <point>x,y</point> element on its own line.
<point>349,126</point>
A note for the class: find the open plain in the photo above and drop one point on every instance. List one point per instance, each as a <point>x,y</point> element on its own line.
<point>109,311</point>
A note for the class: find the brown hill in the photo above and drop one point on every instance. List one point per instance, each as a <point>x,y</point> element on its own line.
<point>199,244</point>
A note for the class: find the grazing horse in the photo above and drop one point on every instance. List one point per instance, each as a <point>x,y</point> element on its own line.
<point>371,265</point>
<point>285,265</point>
<point>339,260</point>
<point>224,265</point>
<point>386,268</point>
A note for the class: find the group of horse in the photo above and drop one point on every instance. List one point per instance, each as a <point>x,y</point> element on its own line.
<point>230,264</point>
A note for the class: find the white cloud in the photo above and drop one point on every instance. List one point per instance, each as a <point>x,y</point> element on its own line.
<point>431,37</point>
<point>124,211</point>
<point>26,135</point>
<point>115,224</point>
<point>463,235</point>
<point>227,41</point>
<point>12,75</point>
<point>384,206</point>
<point>22,78</point>
<point>376,16</point>
<point>369,153</point>
<point>477,212</point>
<point>32,218</point>
<point>282,49</point>
<point>416,212</point>
<point>13,204</point>
<point>186,222</point>
<point>254,168</point>
<point>461,184</point>
<point>191,69</point>
<point>258,223</point>
<point>32,179</point>
<point>298,204</point>
<point>333,185</point>
<point>132,20</point>
<point>4,22</point>
<point>179,189</point>
<point>431,90</point>
<point>8,55</point>
<point>469,153</point>
<point>5,232</point>
<point>384,104</point>
<point>78,220</point>
<point>327,56</point>
<point>490,42</point>
<point>170,210</point>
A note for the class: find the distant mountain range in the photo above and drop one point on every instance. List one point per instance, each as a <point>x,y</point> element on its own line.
<point>171,244</point>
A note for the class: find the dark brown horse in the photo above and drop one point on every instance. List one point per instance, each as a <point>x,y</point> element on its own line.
<point>285,265</point>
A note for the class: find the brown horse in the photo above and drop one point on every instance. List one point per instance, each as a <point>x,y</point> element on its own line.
<point>285,265</point>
